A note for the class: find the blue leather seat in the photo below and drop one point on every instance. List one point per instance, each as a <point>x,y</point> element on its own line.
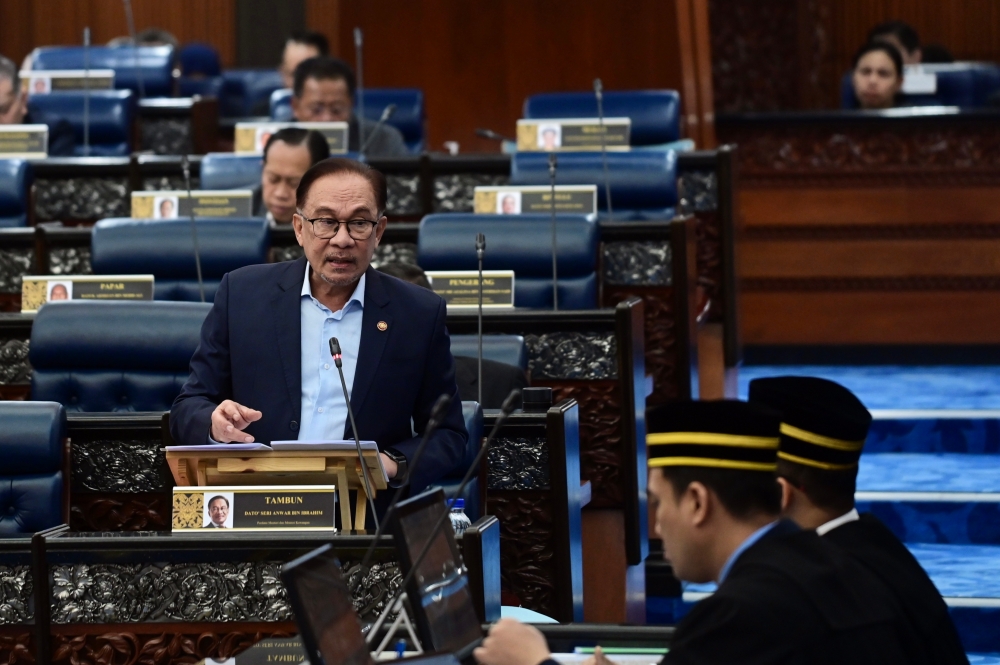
<point>655,114</point>
<point>643,183</point>
<point>198,58</point>
<point>31,476</point>
<point>224,170</point>
<point>204,87</point>
<point>522,243</point>
<point>964,84</point>
<point>113,356</point>
<point>408,117</point>
<point>509,349</point>
<point>243,89</point>
<point>474,425</point>
<point>15,192</point>
<point>155,65</point>
<point>165,249</point>
<point>112,114</point>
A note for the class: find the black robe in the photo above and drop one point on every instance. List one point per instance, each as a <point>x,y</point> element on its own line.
<point>873,545</point>
<point>792,598</point>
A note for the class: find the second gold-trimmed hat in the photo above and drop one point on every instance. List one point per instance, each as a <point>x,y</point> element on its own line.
<point>724,434</point>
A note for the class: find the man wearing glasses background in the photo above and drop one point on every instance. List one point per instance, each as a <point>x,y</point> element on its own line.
<point>263,370</point>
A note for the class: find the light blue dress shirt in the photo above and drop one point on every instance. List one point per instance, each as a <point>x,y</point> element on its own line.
<point>744,546</point>
<point>324,412</point>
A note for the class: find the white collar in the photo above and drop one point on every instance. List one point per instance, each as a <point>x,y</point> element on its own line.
<point>852,516</point>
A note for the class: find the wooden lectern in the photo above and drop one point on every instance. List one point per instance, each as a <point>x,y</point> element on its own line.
<point>284,467</point>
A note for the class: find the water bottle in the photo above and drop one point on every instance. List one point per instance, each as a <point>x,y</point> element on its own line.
<point>459,520</point>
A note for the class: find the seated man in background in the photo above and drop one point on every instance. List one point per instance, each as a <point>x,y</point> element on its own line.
<point>878,76</point>
<point>14,111</point>
<point>324,90</point>
<point>902,36</point>
<point>823,430</point>
<point>288,154</point>
<point>498,378</point>
<point>301,45</point>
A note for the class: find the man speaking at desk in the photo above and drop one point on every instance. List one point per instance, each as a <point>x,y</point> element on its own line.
<point>263,370</point>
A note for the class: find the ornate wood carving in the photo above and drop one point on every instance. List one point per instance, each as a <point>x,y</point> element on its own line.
<point>526,554</point>
<point>120,512</point>
<point>127,648</point>
<point>15,648</point>
<point>709,257</point>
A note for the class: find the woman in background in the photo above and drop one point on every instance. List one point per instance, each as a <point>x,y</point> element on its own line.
<point>878,75</point>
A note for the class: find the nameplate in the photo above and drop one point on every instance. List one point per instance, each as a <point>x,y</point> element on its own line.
<point>554,135</point>
<point>269,651</point>
<point>535,199</point>
<point>254,508</point>
<point>29,141</point>
<point>42,82</point>
<point>40,289</point>
<point>461,288</point>
<point>918,81</point>
<point>251,137</point>
<point>203,203</point>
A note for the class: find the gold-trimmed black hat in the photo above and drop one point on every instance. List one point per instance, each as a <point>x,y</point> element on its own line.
<point>823,424</point>
<point>724,434</point>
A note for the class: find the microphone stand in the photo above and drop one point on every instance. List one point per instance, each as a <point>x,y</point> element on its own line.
<point>86,92</point>
<point>359,90</point>
<point>491,135</point>
<point>386,114</point>
<point>186,167</point>
<point>552,210</point>
<point>599,95</point>
<point>335,352</point>
<point>130,20</point>
<point>480,251</point>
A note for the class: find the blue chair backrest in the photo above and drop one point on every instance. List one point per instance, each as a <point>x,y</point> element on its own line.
<point>655,114</point>
<point>198,58</point>
<point>31,478</point>
<point>509,349</point>
<point>113,356</point>
<point>165,249</point>
<point>408,117</point>
<point>473,415</point>
<point>153,64</point>
<point>112,113</point>
<point>210,86</point>
<point>643,183</point>
<point>15,188</point>
<point>224,170</point>
<point>964,84</point>
<point>522,243</point>
<point>243,89</point>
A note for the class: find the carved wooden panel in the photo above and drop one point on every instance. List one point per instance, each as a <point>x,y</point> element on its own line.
<point>526,554</point>
<point>128,648</point>
<point>709,258</point>
<point>15,648</point>
<point>120,512</point>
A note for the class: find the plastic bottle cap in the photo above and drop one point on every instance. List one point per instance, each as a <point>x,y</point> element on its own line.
<point>458,503</point>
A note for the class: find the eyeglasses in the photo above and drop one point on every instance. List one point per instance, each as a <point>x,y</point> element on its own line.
<point>325,228</point>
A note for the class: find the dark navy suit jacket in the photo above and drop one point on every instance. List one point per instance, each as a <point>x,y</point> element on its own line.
<point>250,353</point>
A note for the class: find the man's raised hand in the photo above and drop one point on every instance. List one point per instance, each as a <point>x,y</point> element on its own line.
<point>230,419</point>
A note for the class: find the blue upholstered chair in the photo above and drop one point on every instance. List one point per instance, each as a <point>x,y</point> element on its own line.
<point>408,117</point>
<point>964,84</point>
<point>210,86</point>
<point>15,189</point>
<point>199,59</point>
<point>243,89</point>
<point>225,170</point>
<point>655,114</point>
<point>31,476</point>
<point>165,249</point>
<point>474,425</point>
<point>509,349</point>
<point>522,243</point>
<point>112,113</point>
<point>113,356</point>
<point>155,65</point>
<point>643,183</point>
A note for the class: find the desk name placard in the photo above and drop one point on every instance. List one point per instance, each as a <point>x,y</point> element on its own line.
<point>27,141</point>
<point>203,203</point>
<point>42,82</point>
<point>36,290</point>
<point>254,508</point>
<point>251,137</point>
<point>461,288</point>
<point>567,134</point>
<point>535,199</point>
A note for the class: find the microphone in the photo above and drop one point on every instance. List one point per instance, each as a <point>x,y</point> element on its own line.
<point>491,135</point>
<point>130,22</point>
<point>386,114</point>
<point>505,411</point>
<point>86,91</point>
<point>480,252</point>
<point>335,352</point>
<point>599,96</point>
<point>552,210</point>
<point>186,167</point>
<point>359,89</point>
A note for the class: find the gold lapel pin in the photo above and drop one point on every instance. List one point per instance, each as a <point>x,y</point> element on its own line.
<point>382,325</point>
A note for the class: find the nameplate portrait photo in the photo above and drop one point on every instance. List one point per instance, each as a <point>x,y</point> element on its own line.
<point>251,137</point>
<point>42,82</point>
<point>269,651</point>
<point>535,199</point>
<point>201,203</point>
<point>27,141</point>
<point>461,288</point>
<point>254,508</point>
<point>563,134</point>
<point>38,290</point>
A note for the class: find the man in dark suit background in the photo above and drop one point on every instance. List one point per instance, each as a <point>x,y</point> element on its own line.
<point>263,370</point>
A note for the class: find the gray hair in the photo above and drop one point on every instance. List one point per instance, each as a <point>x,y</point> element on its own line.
<point>8,70</point>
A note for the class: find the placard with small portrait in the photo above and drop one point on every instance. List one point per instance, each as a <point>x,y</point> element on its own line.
<point>44,81</point>
<point>535,200</point>
<point>24,141</point>
<point>201,203</point>
<point>254,508</point>
<point>565,134</point>
<point>250,138</point>
<point>38,290</point>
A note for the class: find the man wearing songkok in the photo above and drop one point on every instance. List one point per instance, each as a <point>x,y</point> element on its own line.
<point>784,596</point>
<point>264,370</point>
<point>823,430</point>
